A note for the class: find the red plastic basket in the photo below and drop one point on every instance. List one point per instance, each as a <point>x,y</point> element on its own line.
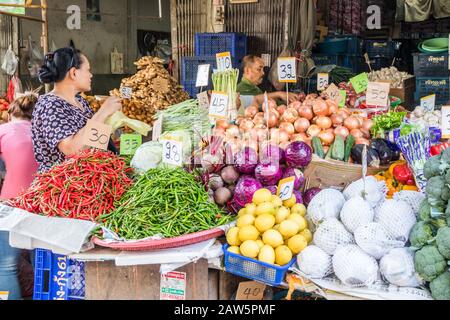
<point>150,245</point>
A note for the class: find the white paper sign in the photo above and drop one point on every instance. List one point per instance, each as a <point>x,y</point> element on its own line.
<point>378,94</point>
<point>173,286</point>
<point>172,152</point>
<point>224,61</point>
<point>218,107</point>
<point>287,70</point>
<point>445,122</point>
<point>322,81</point>
<point>203,100</point>
<point>286,188</point>
<point>203,75</point>
<point>428,103</point>
<point>4,295</point>
<point>126,92</point>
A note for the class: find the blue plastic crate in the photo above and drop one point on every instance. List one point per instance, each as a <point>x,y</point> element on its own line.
<point>433,85</point>
<point>58,278</point>
<point>431,65</point>
<point>254,269</point>
<point>353,62</point>
<point>354,44</point>
<point>189,87</point>
<point>381,48</point>
<point>376,64</point>
<point>323,59</point>
<point>189,66</point>
<point>213,43</point>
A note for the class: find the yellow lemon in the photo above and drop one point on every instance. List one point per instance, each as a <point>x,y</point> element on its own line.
<point>234,249</point>
<point>282,214</point>
<point>297,244</point>
<point>261,196</point>
<point>250,208</point>
<point>277,202</point>
<point>276,227</point>
<point>299,209</point>
<point>288,229</point>
<point>260,243</point>
<point>273,238</point>
<point>245,220</point>
<point>264,222</point>
<point>242,212</point>
<point>265,208</point>
<point>249,249</point>
<point>290,202</point>
<point>307,234</point>
<point>283,255</point>
<point>233,237</point>
<point>267,254</point>
<point>298,219</point>
<point>248,233</point>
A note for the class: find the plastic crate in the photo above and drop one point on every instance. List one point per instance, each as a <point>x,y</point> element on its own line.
<point>376,64</point>
<point>189,87</point>
<point>322,59</point>
<point>433,85</point>
<point>431,65</point>
<point>254,269</point>
<point>353,62</point>
<point>58,278</point>
<point>354,43</point>
<point>189,66</point>
<point>213,43</point>
<point>381,48</point>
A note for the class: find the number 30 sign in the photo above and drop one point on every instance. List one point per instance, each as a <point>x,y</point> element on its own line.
<point>97,135</point>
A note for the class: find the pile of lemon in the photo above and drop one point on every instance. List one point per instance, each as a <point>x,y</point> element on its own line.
<point>270,230</point>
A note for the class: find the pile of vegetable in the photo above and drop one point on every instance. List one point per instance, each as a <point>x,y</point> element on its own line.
<point>391,74</point>
<point>83,187</point>
<point>379,152</point>
<point>153,89</point>
<point>384,123</point>
<point>227,81</point>
<point>431,235</point>
<point>164,202</point>
<point>270,230</point>
<point>398,178</point>
<point>425,117</point>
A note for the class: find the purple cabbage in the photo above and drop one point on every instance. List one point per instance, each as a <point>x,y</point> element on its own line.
<point>298,155</point>
<point>273,189</point>
<point>298,196</point>
<point>268,174</point>
<point>245,189</point>
<point>299,177</point>
<point>310,194</point>
<point>246,161</point>
<point>271,153</point>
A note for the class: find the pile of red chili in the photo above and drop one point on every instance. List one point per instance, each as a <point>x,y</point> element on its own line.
<point>83,187</point>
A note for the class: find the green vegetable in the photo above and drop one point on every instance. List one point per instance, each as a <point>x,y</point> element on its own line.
<point>227,81</point>
<point>440,287</point>
<point>338,149</point>
<point>435,186</point>
<point>445,157</point>
<point>387,122</point>
<point>443,242</point>
<point>425,211</point>
<point>421,235</point>
<point>429,263</point>
<point>317,146</point>
<point>329,153</point>
<point>349,144</point>
<point>445,196</point>
<point>431,168</point>
<point>166,202</point>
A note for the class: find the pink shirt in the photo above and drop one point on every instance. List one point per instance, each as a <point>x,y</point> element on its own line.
<point>16,150</point>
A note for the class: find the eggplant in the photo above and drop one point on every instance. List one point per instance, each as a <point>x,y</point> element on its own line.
<point>373,160</point>
<point>385,154</point>
<point>394,149</point>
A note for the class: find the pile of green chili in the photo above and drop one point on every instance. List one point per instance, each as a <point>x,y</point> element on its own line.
<point>167,202</point>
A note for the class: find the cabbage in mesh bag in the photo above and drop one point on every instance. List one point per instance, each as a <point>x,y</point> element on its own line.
<point>369,189</point>
<point>314,263</point>
<point>354,267</point>
<point>373,239</point>
<point>398,218</point>
<point>326,204</point>
<point>355,213</point>
<point>331,234</point>
<point>397,267</point>
<point>413,198</point>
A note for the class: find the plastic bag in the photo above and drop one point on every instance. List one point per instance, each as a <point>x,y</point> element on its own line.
<point>355,213</point>
<point>397,267</point>
<point>375,191</point>
<point>10,62</point>
<point>331,235</point>
<point>375,240</point>
<point>14,89</point>
<point>119,120</point>
<point>314,263</point>
<point>326,204</point>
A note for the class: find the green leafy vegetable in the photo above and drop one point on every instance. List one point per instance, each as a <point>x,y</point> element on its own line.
<point>387,122</point>
<point>421,235</point>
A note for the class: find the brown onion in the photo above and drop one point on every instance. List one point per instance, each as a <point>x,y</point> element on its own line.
<point>341,131</point>
<point>301,125</point>
<point>251,112</point>
<point>337,119</point>
<point>222,124</point>
<point>232,131</point>
<point>320,107</point>
<point>246,125</point>
<point>275,111</point>
<point>332,106</point>
<point>362,141</point>
<point>238,120</point>
<point>343,113</point>
<point>351,123</point>
<point>313,131</point>
<point>259,115</point>
<point>367,124</point>
<point>262,134</point>
<point>281,109</point>
<point>366,133</point>
<point>284,145</point>
<point>272,103</point>
<point>273,120</point>
<point>327,138</point>
<point>284,136</point>
<point>288,127</point>
<point>306,112</point>
<point>360,121</point>
<point>295,105</point>
<point>290,115</point>
<point>357,134</point>
<point>324,123</point>
<point>311,96</point>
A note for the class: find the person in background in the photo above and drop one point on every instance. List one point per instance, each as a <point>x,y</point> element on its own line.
<point>60,117</point>
<point>253,68</point>
<point>16,151</point>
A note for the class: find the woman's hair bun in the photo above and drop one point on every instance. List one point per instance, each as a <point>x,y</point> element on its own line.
<point>58,63</point>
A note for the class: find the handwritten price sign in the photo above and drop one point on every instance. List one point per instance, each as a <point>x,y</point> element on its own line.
<point>378,94</point>
<point>202,75</point>
<point>129,143</point>
<point>287,70</point>
<point>286,188</point>
<point>219,105</point>
<point>224,61</point>
<point>322,81</point>
<point>251,290</point>
<point>97,135</point>
<point>429,102</point>
<point>360,82</point>
<point>172,152</point>
<point>126,92</point>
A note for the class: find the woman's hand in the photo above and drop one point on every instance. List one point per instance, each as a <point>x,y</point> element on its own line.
<point>109,107</point>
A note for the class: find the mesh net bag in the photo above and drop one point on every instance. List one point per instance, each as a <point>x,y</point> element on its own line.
<point>331,234</point>
<point>371,190</point>
<point>326,204</point>
<point>398,218</point>
<point>397,267</point>
<point>355,213</point>
<point>354,267</point>
<point>413,198</point>
<point>374,240</point>
<point>314,263</point>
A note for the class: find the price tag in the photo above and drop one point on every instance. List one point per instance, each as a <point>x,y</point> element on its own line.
<point>129,143</point>
<point>172,152</point>
<point>445,122</point>
<point>4,295</point>
<point>219,105</point>
<point>428,102</point>
<point>157,129</point>
<point>97,135</point>
<point>322,81</point>
<point>224,61</point>
<point>378,94</point>
<point>343,98</point>
<point>251,290</point>
<point>360,82</point>
<point>203,75</point>
<point>203,100</point>
<point>126,92</point>
<point>286,188</point>
<point>333,93</point>
<point>287,70</point>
